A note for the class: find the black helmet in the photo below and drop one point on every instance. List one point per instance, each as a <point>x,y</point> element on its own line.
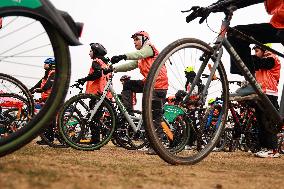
<point>98,49</point>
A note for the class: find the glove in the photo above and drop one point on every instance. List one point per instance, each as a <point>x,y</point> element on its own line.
<point>198,12</point>
<point>81,81</point>
<point>108,70</point>
<point>116,59</point>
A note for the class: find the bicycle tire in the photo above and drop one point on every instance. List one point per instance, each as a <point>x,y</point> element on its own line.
<point>200,48</point>
<point>59,49</point>
<point>24,92</point>
<point>103,121</point>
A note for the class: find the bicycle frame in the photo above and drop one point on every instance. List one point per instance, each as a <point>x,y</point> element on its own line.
<point>128,117</point>
<point>216,56</point>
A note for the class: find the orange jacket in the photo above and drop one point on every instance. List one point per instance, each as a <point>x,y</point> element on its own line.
<point>275,8</point>
<point>97,86</point>
<point>145,64</point>
<point>269,79</point>
<point>45,94</point>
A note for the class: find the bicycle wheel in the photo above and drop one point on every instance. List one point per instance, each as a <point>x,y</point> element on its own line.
<point>15,112</point>
<point>87,134</point>
<point>176,57</point>
<point>11,85</point>
<point>27,41</point>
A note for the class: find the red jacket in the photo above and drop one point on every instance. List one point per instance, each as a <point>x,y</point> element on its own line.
<point>145,64</point>
<point>45,94</point>
<point>269,79</point>
<point>275,8</point>
<point>97,86</point>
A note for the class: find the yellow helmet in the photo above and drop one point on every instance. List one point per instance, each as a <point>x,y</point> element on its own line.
<point>189,69</point>
<point>268,45</point>
<point>211,100</point>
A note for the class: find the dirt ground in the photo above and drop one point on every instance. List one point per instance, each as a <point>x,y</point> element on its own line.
<point>43,167</point>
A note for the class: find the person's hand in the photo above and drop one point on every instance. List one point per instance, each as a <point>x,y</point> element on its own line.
<point>198,12</point>
<point>108,70</point>
<point>116,59</point>
<point>81,81</point>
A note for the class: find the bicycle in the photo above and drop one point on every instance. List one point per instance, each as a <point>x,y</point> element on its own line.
<point>16,105</point>
<point>31,31</point>
<point>95,115</point>
<point>200,54</point>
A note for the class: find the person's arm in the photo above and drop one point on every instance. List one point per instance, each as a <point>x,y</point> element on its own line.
<point>96,74</point>
<point>125,66</point>
<point>36,86</point>
<point>239,3</point>
<point>245,3</point>
<point>144,52</point>
<point>263,63</point>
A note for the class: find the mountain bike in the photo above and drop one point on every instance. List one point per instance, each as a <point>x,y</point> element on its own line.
<point>16,105</point>
<point>30,32</point>
<point>101,119</point>
<point>194,52</point>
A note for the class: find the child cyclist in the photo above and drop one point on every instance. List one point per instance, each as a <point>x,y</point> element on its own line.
<point>96,81</point>
<point>143,59</point>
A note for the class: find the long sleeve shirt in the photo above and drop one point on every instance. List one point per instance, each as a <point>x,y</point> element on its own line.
<point>144,52</point>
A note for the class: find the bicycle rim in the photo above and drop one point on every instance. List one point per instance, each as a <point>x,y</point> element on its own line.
<point>85,134</point>
<point>176,57</point>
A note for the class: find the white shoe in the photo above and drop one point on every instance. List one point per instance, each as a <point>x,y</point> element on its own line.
<point>267,154</point>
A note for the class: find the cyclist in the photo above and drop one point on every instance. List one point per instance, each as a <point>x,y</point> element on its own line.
<point>143,59</point>
<point>267,66</point>
<point>44,87</point>
<point>96,80</point>
<point>272,32</point>
<point>190,75</point>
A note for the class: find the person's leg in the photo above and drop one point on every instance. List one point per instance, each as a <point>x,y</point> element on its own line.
<point>267,139</point>
<point>159,99</point>
<point>270,138</point>
<point>127,93</point>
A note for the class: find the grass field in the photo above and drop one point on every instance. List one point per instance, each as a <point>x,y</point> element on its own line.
<point>43,167</point>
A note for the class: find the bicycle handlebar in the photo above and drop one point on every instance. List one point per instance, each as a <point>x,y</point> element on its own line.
<point>204,12</point>
<point>77,85</point>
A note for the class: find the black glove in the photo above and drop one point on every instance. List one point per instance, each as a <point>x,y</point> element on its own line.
<point>81,81</point>
<point>108,70</point>
<point>198,12</point>
<point>116,59</point>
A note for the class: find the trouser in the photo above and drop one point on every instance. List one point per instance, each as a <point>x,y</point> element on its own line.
<point>158,101</point>
<point>264,33</point>
<point>95,125</point>
<point>49,131</point>
<point>267,139</point>
<point>129,87</point>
